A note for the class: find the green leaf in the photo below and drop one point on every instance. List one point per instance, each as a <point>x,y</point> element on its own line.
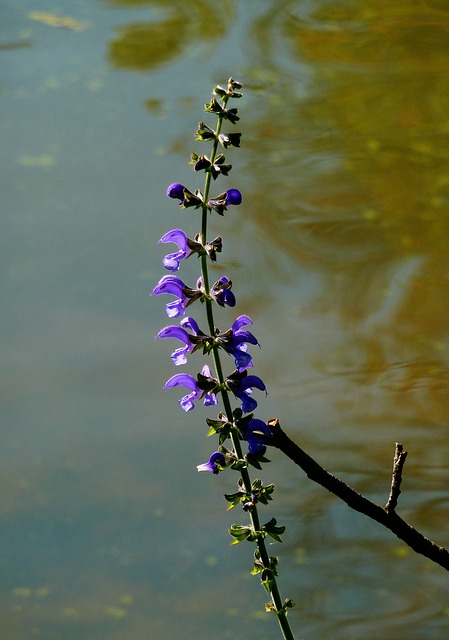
<point>272,530</point>
<point>239,464</point>
<point>213,107</point>
<point>267,580</point>
<point>234,499</point>
<point>240,533</point>
<point>258,568</point>
<point>204,133</point>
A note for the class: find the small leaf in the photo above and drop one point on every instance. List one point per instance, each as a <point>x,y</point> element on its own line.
<point>240,533</point>
<point>234,499</point>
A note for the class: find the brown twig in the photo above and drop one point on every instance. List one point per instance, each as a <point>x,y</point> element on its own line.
<point>396,478</point>
<point>386,516</point>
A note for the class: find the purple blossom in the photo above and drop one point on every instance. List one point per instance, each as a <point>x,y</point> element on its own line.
<point>178,237</point>
<point>188,199</point>
<point>188,381</point>
<point>221,202</point>
<point>221,292</point>
<point>255,434</point>
<point>175,286</point>
<point>233,196</point>
<point>242,385</point>
<point>179,356</point>
<point>176,190</point>
<point>236,344</point>
<point>215,463</point>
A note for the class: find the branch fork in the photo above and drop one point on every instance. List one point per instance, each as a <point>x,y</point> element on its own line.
<point>386,515</point>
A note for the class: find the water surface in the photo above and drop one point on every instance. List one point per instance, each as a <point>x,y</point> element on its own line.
<point>339,253</point>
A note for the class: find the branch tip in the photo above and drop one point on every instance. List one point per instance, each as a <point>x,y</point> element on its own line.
<point>396,477</point>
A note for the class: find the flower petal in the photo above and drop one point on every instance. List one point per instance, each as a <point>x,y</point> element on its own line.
<point>191,324</point>
<point>210,399</point>
<point>179,356</point>
<point>169,284</point>
<point>252,381</point>
<point>233,196</point>
<point>176,190</point>
<point>172,260</point>
<point>241,321</point>
<point>177,236</point>
<point>255,432</point>
<point>174,332</point>
<point>182,380</point>
<point>214,463</point>
<point>175,309</point>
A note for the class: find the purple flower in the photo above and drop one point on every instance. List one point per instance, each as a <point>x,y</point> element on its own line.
<point>242,385</point>
<point>172,260</point>
<point>255,434</point>
<point>236,342</point>
<point>179,356</point>
<point>221,292</point>
<point>188,199</point>
<point>215,463</point>
<point>176,287</point>
<point>233,196</point>
<point>221,202</point>
<point>176,191</point>
<point>188,381</point>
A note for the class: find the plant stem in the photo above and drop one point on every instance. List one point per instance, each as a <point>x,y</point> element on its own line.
<point>253,513</point>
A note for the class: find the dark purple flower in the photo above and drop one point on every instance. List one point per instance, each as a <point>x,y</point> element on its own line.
<point>215,463</point>
<point>242,385</point>
<point>225,297</point>
<point>221,202</point>
<point>179,356</point>
<point>255,434</point>
<point>178,237</point>
<point>188,381</point>
<point>237,343</point>
<point>187,198</point>
<point>176,191</point>
<point>175,286</point>
<point>233,196</point>
<point>230,139</point>
<point>221,292</point>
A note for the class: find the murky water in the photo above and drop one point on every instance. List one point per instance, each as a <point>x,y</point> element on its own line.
<point>340,253</point>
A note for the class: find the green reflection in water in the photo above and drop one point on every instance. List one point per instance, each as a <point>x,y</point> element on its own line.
<point>144,46</point>
<point>358,189</point>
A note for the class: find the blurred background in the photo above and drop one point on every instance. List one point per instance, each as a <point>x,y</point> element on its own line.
<point>339,253</point>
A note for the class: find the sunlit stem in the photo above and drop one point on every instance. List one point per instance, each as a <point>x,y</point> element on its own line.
<point>253,513</point>
<point>204,270</point>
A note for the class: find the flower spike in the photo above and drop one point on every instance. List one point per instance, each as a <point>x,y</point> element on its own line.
<point>234,423</point>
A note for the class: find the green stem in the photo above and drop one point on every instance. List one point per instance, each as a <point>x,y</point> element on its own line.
<point>209,178</point>
<point>253,513</point>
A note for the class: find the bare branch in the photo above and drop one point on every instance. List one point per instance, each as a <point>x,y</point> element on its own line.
<point>396,478</point>
<point>386,516</point>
